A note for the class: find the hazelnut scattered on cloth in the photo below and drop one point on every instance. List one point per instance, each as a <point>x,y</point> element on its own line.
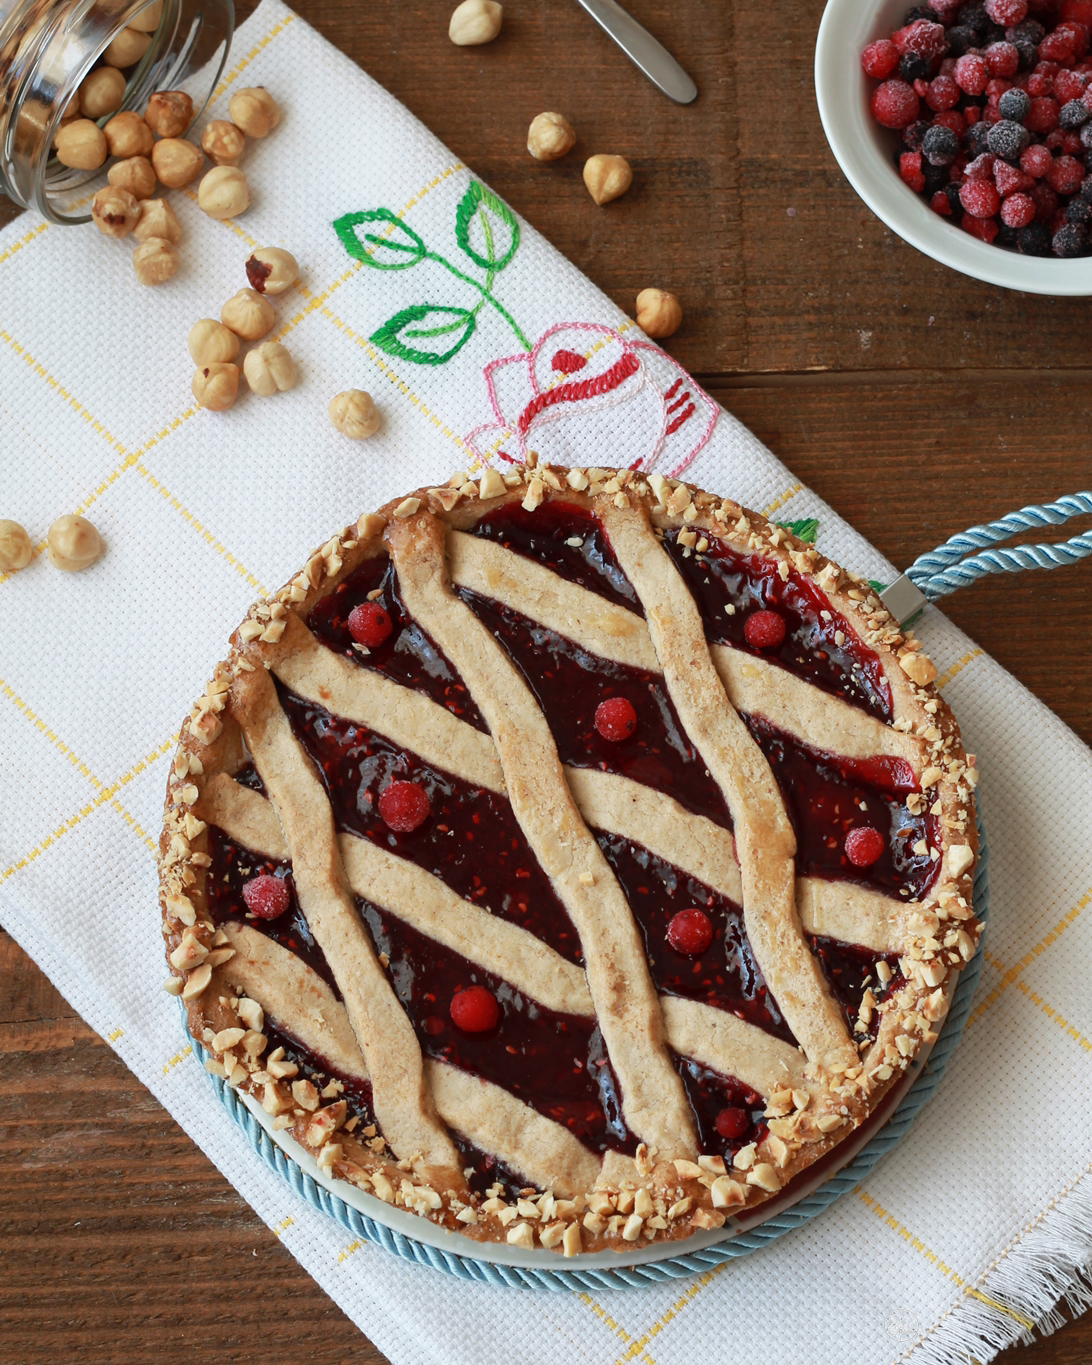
<point>169,113</point>
<point>354,414</point>
<point>134,174</point>
<point>223,193</point>
<point>15,547</point>
<point>272,270</point>
<point>210,342</point>
<point>248,314</point>
<point>177,161</point>
<point>128,135</point>
<point>475,22</point>
<point>72,543</point>
<point>101,92</point>
<point>114,211</point>
<point>607,177</point>
<point>81,144</point>
<point>157,219</point>
<point>255,111</point>
<point>550,136</point>
<point>269,369</point>
<point>223,143</point>
<point>659,314</point>
<point>216,385</point>
<point>155,260</point>
<point>127,48</point>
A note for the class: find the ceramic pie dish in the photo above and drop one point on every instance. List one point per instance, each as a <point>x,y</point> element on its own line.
<point>569,858</point>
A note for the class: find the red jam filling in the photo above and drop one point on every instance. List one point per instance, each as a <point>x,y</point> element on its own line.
<point>406,655</point>
<point>482,1170</point>
<point>569,685</point>
<point>710,1094</point>
<point>313,1067</point>
<point>556,1063</point>
<point>721,577</point>
<point>849,969</point>
<point>471,841</point>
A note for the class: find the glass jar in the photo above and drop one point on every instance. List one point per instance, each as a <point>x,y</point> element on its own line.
<point>48,47</point>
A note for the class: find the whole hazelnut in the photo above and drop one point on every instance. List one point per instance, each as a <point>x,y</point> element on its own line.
<point>354,414</point>
<point>248,315</point>
<point>81,145</point>
<point>127,48</point>
<point>155,260</point>
<point>15,547</point>
<point>169,113</point>
<point>269,369</point>
<point>71,109</point>
<point>550,136</point>
<point>255,111</point>
<point>176,161</point>
<point>271,270</point>
<point>147,21</point>
<point>114,211</point>
<point>223,143</point>
<point>659,314</point>
<point>224,193</point>
<point>157,219</point>
<point>474,22</point>
<point>73,543</point>
<point>607,177</point>
<point>134,174</point>
<point>216,385</point>
<point>210,342</point>
<point>101,92</point>
<point>128,135</point>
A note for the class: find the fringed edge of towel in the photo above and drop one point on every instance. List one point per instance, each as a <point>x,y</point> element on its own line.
<point>1020,1296</point>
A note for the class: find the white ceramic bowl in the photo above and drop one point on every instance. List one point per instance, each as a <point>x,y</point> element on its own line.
<point>865,152</point>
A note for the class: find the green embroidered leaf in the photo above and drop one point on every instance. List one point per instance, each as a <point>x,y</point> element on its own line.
<point>877,587</point>
<point>805,530</point>
<point>424,322</point>
<point>393,247</point>
<point>485,228</point>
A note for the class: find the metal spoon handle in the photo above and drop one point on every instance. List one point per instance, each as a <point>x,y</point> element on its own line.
<point>641,48</point>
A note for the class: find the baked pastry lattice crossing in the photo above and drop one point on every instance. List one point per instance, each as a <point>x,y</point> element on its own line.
<point>569,857</point>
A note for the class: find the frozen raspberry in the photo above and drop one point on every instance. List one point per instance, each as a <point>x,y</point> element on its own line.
<point>732,1122</point>
<point>864,846</point>
<point>690,932</point>
<point>1017,210</point>
<point>981,168</point>
<point>910,170</point>
<point>1065,175</point>
<point>946,10</point>
<point>1007,139</point>
<point>921,39</point>
<point>953,119</point>
<point>985,229</point>
<point>1079,35</point>
<point>894,104</point>
<point>1040,85</point>
<point>265,896</point>
<point>1006,12</point>
<point>880,58</point>
<point>1014,104</point>
<point>1073,115</point>
<point>1070,240</point>
<point>1059,46</point>
<point>615,718</point>
<point>941,146</point>
<point>1010,179</point>
<point>979,198</point>
<point>1080,10</point>
<point>990,116</point>
<point>475,1010</point>
<point>1034,240</point>
<point>972,74</point>
<point>941,204</point>
<point>404,806</point>
<point>995,89</point>
<point>1042,117</point>
<point>764,629</point>
<point>1069,85</point>
<point>369,624</point>
<point>943,93</point>
<point>1003,59</point>
<point>1036,161</point>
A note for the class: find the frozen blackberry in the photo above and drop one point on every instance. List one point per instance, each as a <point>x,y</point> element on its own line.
<point>920,12</point>
<point>1086,136</point>
<point>1079,211</point>
<point>952,191</point>
<point>974,16</point>
<point>1006,236</point>
<point>936,177</point>
<point>1073,115</point>
<point>1028,53</point>
<point>1085,191</point>
<point>1014,104</point>
<point>1070,240</point>
<point>940,146</point>
<point>1034,240</point>
<point>1007,139</point>
<point>1029,31</point>
<point>961,39</point>
<point>913,68</point>
<point>975,139</point>
<point>913,135</point>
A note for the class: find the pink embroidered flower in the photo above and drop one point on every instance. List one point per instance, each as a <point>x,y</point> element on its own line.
<point>586,395</point>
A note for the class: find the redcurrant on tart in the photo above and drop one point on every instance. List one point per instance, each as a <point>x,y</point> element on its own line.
<point>266,896</point>
<point>615,718</point>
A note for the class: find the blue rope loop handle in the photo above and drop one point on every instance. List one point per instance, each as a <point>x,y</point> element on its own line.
<point>673,1267</point>
<point>940,571</point>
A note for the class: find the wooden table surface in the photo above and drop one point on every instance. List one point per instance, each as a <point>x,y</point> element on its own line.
<point>913,400</point>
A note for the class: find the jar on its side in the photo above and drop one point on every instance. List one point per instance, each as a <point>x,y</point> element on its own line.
<point>48,47</point>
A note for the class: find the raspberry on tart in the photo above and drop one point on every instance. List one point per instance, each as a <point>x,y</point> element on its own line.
<point>637,733</point>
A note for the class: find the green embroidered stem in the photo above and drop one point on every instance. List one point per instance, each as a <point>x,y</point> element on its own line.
<point>486,296</point>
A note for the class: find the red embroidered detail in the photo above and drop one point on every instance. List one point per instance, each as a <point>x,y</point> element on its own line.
<point>672,390</point>
<point>680,401</point>
<point>683,416</point>
<point>620,371</point>
<point>504,455</point>
<point>568,362</point>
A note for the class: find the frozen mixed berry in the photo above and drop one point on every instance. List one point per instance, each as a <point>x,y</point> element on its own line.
<point>880,58</point>
<point>1073,115</point>
<point>1028,31</point>
<point>1010,179</point>
<point>974,139</point>
<point>615,718</point>
<point>764,629</point>
<point>864,846</point>
<point>369,624</point>
<point>961,39</point>
<point>922,38</point>
<point>943,93</point>
<point>1034,240</point>
<point>1017,210</point>
<point>940,146</point>
<point>895,104</point>
<point>914,70</point>
<point>1007,139</point>
<point>1046,201</point>
<point>1036,160</point>
<point>1079,210</point>
<point>910,170</point>
<point>1066,175</point>
<point>1014,104</point>
<point>972,74</point>
<point>404,806</point>
<point>1070,240</point>
<point>940,203</point>
<point>1086,189</point>
<point>974,16</point>
<point>913,135</point>
<point>1006,12</point>
<point>475,1010</point>
<point>981,168</point>
<point>690,932</point>
<point>732,1122</point>
<point>266,896</point>
<point>1042,116</point>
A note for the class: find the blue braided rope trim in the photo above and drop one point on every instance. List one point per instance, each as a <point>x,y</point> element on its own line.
<point>938,572</point>
<point>672,1267</point>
